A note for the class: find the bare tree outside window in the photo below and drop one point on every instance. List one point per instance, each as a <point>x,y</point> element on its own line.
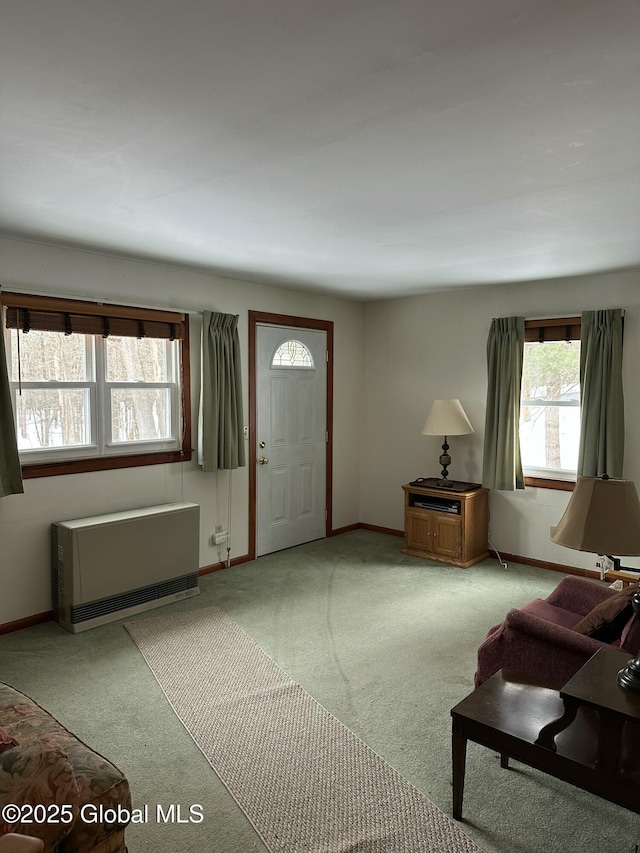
<point>137,413</point>
<point>136,360</point>
<point>550,411</point>
<point>61,383</point>
<point>51,416</point>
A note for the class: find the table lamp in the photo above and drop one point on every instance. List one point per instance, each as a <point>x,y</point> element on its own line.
<point>447,417</point>
<point>603,516</point>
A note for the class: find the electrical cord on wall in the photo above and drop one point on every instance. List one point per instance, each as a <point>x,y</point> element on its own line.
<point>501,561</point>
<point>493,547</point>
<point>229,521</point>
<point>218,513</point>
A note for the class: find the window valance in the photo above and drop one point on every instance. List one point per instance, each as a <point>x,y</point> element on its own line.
<point>552,329</point>
<point>89,318</point>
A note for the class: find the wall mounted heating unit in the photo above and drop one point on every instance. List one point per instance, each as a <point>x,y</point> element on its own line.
<point>110,566</point>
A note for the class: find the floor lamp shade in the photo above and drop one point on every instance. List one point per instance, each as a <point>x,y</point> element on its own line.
<point>603,516</point>
<point>447,417</point>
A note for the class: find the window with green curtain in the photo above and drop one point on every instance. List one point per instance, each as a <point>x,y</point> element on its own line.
<point>96,387</point>
<point>10,470</point>
<point>502,465</point>
<point>602,399</point>
<point>221,439</point>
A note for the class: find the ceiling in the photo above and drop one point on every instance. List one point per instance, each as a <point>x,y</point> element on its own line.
<point>364,147</point>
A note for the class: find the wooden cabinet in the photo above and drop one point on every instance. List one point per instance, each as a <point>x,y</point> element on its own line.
<point>448,526</point>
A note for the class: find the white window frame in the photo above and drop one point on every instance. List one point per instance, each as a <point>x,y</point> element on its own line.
<point>101,441</point>
<point>172,385</point>
<point>541,475</point>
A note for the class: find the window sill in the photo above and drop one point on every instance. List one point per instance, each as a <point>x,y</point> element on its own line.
<point>550,483</point>
<point>103,463</point>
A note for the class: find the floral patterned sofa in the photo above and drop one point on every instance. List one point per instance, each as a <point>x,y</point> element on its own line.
<point>69,786</point>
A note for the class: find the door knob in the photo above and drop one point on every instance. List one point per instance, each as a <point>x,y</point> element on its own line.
<point>263,460</point>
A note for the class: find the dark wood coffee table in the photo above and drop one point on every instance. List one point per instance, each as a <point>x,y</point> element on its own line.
<point>588,734</point>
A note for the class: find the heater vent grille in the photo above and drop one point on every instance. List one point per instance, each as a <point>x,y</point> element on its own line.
<point>117,603</point>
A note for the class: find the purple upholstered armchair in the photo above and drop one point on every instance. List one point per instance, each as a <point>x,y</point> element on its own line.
<point>538,641</point>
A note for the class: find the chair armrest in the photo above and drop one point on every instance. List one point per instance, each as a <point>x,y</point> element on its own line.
<point>578,595</point>
<point>546,653</point>
<point>557,635</point>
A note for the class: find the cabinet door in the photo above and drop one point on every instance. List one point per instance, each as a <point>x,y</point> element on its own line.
<point>418,530</point>
<point>447,536</point>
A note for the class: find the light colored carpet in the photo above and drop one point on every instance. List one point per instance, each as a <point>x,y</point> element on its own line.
<point>306,783</point>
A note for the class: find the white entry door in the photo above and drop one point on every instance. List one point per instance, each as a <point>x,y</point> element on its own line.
<point>291,423</point>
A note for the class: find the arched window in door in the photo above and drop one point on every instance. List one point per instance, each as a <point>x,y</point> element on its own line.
<point>293,354</point>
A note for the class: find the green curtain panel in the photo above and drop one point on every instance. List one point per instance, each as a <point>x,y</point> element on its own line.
<point>502,465</point>
<point>10,470</point>
<point>602,400</point>
<point>221,418</point>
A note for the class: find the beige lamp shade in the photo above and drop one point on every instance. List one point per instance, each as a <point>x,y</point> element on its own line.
<point>447,417</point>
<point>603,516</point>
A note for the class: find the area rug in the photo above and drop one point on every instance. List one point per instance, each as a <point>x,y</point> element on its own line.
<point>305,782</point>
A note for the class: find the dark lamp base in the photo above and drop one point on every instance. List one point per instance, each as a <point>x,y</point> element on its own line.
<point>629,677</point>
<point>445,484</point>
<point>445,461</point>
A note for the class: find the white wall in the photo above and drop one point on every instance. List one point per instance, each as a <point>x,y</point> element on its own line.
<point>25,519</point>
<point>433,346</point>
<point>392,358</point>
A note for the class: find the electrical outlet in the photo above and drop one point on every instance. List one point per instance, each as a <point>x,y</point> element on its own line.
<point>219,528</point>
<point>220,536</point>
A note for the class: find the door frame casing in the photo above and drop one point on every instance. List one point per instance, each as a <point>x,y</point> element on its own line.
<point>263,318</point>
